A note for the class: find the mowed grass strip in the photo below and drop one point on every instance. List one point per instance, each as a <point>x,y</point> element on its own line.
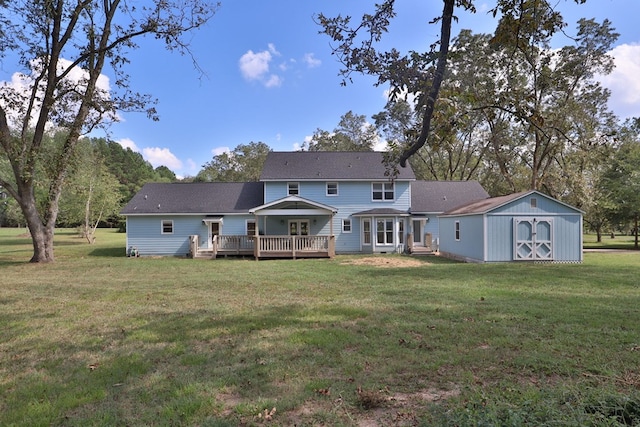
<point>100,339</point>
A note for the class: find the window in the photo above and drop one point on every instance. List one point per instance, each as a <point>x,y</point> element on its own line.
<point>346,225</point>
<point>332,188</point>
<point>457,228</point>
<point>366,232</point>
<point>293,189</point>
<point>384,231</point>
<point>251,228</point>
<point>534,202</point>
<point>382,191</point>
<point>167,226</point>
<point>401,232</point>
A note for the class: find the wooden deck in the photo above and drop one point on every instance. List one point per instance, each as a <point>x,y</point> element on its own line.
<point>266,247</point>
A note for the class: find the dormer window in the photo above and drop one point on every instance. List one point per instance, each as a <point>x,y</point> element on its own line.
<point>382,191</point>
<point>293,189</point>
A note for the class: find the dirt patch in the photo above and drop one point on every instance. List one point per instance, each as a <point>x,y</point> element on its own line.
<point>386,262</point>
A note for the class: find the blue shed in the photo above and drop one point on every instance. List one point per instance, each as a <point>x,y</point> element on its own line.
<point>527,226</point>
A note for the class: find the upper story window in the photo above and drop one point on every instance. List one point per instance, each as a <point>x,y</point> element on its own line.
<point>382,191</point>
<point>332,188</point>
<point>293,189</point>
<point>534,203</point>
<point>167,226</point>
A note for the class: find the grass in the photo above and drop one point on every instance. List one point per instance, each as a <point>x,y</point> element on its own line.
<point>619,241</point>
<point>99,339</point>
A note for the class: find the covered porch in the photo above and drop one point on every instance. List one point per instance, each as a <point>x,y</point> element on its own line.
<point>292,227</point>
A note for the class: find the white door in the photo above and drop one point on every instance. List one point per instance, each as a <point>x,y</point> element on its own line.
<point>533,238</point>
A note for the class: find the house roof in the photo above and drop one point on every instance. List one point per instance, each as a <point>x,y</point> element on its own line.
<point>487,205</point>
<point>195,197</point>
<point>328,165</point>
<point>441,196</point>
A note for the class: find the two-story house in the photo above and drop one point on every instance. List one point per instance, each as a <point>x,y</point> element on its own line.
<point>306,204</point>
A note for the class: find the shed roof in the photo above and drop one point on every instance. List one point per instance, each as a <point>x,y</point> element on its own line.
<point>488,205</point>
<point>328,165</point>
<point>195,198</point>
<point>441,196</point>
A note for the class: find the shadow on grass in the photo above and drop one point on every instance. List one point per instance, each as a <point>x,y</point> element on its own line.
<point>109,252</point>
<point>165,364</point>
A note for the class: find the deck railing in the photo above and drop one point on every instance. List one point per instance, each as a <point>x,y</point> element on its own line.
<point>267,246</point>
<point>235,244</point>
<point>295,246</point>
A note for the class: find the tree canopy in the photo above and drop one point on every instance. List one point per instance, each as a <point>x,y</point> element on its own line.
<point>421,73</point>
<point>62,48</point>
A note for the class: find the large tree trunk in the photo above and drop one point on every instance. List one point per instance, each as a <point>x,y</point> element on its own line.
<point>41,234</point>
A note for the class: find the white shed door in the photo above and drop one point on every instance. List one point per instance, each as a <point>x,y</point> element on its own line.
<point>533,238</point>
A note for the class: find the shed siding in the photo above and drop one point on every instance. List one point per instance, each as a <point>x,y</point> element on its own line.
<point>471,243</point>
<point>545,206</point>
<point>499,238</point>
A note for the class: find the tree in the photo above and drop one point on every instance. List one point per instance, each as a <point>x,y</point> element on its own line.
<point>621,181</point>
<point>419,73</point>
<point>128,166</point>
<point>56,40</point>
<point>353,133</point>
<point>91,192</point>
<point>244,163</point>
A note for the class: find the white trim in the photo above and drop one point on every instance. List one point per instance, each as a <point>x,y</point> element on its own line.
<point>246,226</point>
<point>337,193</point>
<point>362,242</point>
<point>162,222</point>
<point>383,183</point>
<point>297,185</point>
<point>319,206</point>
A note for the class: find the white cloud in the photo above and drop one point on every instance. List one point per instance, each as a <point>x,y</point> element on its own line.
<point>254,66</point>
<point>220,150</point>
<point>273,81</point>
<point>161,157</point>
<point>128,143</point>
<point>624,82</point>
<point>17,91</point>
<point>311,60</point>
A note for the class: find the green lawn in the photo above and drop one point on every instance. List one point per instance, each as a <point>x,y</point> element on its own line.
<point>619,241</point>
<point>99,339</point>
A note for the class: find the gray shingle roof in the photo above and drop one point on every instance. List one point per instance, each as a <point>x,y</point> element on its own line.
<point>483,206</point>
<point>441,196</point>
<point>195,198</point>
<point>328,165</point>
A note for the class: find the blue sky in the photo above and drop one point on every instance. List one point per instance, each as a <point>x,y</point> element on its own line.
<point>270,76</point>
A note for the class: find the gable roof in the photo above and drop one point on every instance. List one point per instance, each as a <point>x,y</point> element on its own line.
<point>328,165</point>
<point>289,201</point>
<point>441,196</point>
<point>488,205</point>
<point>195,198</point>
